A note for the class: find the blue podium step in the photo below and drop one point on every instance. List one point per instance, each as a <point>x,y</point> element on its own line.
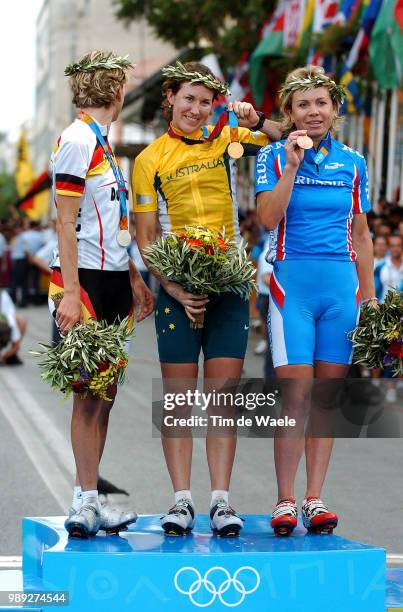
<point>394,592</point>
<point>144,569</point>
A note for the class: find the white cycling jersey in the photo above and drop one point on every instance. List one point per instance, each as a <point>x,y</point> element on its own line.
<point>81,169</point>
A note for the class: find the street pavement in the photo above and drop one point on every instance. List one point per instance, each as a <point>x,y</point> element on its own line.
<point>364,483</point>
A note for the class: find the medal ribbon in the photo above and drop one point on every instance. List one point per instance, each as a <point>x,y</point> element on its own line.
<point>120,181</point>
<point>222,121</point>
<point>233,126</point>
<point>322,153</point>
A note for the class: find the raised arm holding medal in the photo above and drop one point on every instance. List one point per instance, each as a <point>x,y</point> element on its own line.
<point>184,179</point>
<point>92,274</point>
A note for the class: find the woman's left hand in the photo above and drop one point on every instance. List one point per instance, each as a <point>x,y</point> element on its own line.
<point>143,298</point>
<point>247,116</point>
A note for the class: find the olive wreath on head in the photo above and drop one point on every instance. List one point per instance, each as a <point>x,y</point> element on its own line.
<point>107,61</point>
<point>336,92</point>
<point>179,72</point>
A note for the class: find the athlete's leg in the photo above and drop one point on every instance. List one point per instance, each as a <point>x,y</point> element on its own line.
<point>104,418</point>
<point>317,449</point>
<point>86,440</point>
<point>103,422</point>
<point>333,349</point>
<point>178,446</point>
<point>289,444</point>
<point>220,450</point>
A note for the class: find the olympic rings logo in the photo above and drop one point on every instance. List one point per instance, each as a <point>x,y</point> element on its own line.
<point>219,591</point>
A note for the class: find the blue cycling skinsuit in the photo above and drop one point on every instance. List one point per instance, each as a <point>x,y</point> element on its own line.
<point>314,293</point>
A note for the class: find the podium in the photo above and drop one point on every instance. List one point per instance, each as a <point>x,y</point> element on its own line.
<point>142,569</point>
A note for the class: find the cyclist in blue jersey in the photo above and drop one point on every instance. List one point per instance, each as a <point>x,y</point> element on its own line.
<point>315,200</point>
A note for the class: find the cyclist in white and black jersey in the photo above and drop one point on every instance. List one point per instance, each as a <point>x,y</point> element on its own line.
<point>92,266</point>
<point>81,171</point>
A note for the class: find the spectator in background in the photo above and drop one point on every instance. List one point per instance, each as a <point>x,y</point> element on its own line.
<point>12,329</point>
<point>34,240</point>
<point>389,272</point>
<point>5,258</point>
<point>264,271</point>
<point>3,255</point>
<point>401,228</point>
<point>258,254</point>
<point>3,243</point>
<point>42,260</point>
<point>19,266</point>
<point>383,229</point>
<point>380,249</point>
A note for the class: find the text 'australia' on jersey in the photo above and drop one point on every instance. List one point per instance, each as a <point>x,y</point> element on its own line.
<point>81,169</point>
<point>191,184</point>
<point>324,200</point>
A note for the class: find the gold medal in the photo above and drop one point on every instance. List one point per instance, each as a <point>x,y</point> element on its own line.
<point>123,238</point>
<point>304,142</point>
<point>235,150</point>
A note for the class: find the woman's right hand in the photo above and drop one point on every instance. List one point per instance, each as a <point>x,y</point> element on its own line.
<point>294,154</point>
<point>68,313</point>
<point>193,304</point>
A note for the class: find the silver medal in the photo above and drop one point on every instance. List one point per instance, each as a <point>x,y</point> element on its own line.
<point>123,238</point>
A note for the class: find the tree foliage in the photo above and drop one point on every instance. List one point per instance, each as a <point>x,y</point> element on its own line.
<point>8,194</point>
<point>226,26</point>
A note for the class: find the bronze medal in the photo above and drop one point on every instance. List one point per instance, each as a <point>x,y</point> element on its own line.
<point>304,142</point>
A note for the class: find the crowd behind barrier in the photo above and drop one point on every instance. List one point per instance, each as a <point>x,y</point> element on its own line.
<point>26,249</point>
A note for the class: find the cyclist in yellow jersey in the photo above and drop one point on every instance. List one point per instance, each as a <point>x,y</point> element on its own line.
<point>183,179</point>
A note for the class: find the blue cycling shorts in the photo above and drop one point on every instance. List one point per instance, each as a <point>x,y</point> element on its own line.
<point>313,306</point>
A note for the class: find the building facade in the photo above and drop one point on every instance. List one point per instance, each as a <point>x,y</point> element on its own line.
<point>66,30</point>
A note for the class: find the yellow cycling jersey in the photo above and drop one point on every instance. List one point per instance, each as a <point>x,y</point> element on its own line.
<point>191,183</point>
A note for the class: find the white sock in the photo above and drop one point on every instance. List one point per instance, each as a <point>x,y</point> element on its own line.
<point>218,494</point>
<point>77,498</point>
<point>183,495</point>
<point>85,495</point>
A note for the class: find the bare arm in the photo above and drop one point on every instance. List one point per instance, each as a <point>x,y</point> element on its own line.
<point>142,296</point>
<point>362,245</point>
<point>69,310</point>
<point>247,117</point>
<point>146,233</point>
<point>272,205</point>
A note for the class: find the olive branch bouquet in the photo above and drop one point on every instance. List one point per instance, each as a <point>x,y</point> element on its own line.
<point>89,358</point>
<point>378,338</point>
<point>203,261</point>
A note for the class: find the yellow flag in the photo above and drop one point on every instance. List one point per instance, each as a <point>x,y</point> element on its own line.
<point>37,206</point>
<point>24,173</point>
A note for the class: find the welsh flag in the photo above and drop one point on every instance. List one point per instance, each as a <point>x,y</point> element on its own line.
<point>386,45</point>
<point>272,43</point>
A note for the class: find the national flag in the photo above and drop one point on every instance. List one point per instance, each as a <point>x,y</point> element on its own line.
<point>271,44</point>
<point>33,192</point>
<point>307,25</point>
<point>293,21</point>
<point>347,8</point>
<point>239,83</point>
<point>399,13</point>
<point>35,202</point>
<point>24,172</point>
<point>325,13</point>
<point>370,12</point>
<point>353,100</point>
<point>324,16</point>
<point>386,45</point>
